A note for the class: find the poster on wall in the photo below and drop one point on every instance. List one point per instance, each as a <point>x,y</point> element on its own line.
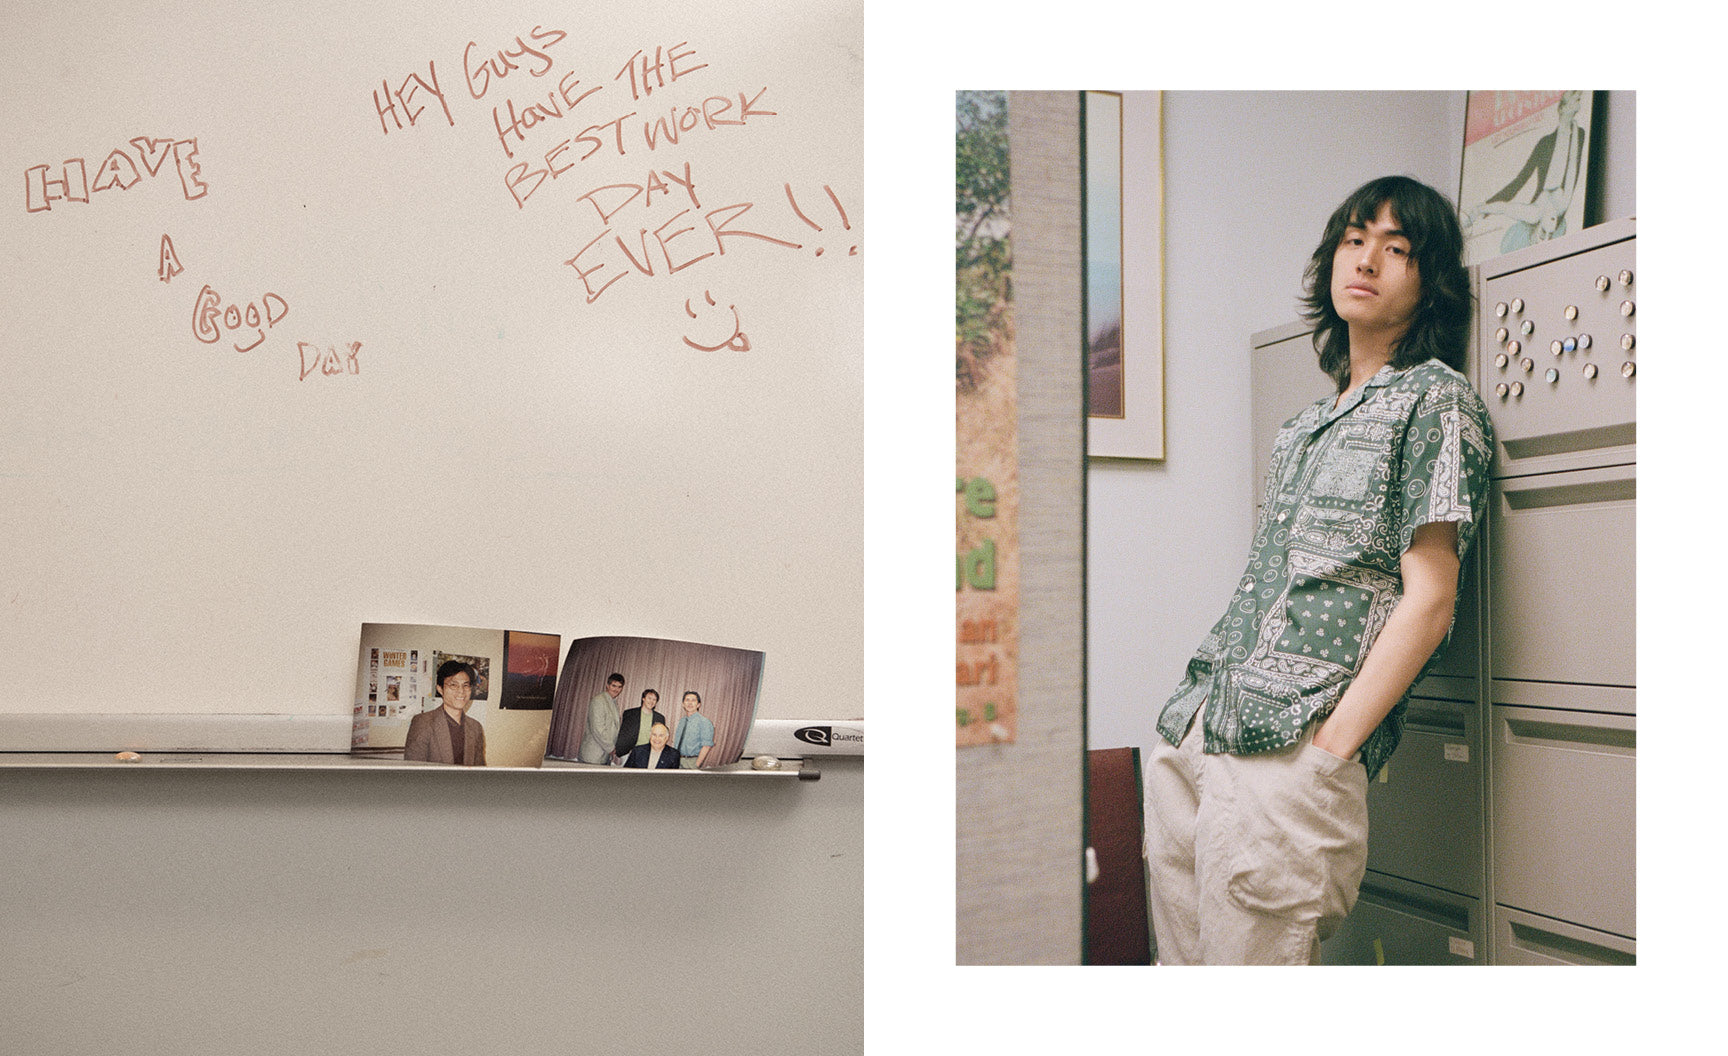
<point>987,576</point>
<point>1526,169</point>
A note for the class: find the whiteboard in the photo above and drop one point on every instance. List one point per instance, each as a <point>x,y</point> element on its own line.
<point>544,316</point>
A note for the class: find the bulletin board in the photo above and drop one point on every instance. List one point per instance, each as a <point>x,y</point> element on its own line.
<point>535,315</point>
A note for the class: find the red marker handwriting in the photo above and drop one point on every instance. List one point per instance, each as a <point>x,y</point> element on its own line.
<point>838,208</point>
<point>210,318</point>
<point>737,340</point>
<point>71,180</point>
<point>327,361</point>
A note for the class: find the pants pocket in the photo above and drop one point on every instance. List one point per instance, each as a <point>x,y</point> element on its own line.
<point>1301,827</point>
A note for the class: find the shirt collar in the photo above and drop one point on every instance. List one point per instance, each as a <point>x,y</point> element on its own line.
<point>1383,377</point>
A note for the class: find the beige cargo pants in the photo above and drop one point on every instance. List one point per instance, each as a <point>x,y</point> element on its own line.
<point>1251,859</point>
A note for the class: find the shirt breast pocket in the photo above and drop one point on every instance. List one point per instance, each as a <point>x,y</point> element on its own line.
<point>1355,465</point>
<point>1348,476</point>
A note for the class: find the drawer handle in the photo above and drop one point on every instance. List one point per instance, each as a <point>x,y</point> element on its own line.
<point>1570,735</point>
<point>1624,489</point>
<point>1564,947</point>
<point>1593,438</point>
<point>1445,914</point>
<point>1444,723</point>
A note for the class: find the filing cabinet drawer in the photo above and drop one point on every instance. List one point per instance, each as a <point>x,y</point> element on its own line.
<point>1397,922</point>
<point>1559,341</point>
<point>1561,577</point>
<point>1563,816</point>
<point>1425,807</point>
<point>1525,938</point>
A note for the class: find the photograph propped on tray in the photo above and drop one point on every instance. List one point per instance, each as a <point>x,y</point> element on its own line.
<point>652,703</point>
<point>454,695</point>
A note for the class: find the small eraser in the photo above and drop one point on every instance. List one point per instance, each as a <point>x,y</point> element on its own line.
<point>127,757</point>
<point>765,762</point>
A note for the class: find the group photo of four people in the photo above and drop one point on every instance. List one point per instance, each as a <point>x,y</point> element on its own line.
<point>640,737</point>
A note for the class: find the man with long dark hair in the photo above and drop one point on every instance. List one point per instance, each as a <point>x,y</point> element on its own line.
<point>1256,790</point>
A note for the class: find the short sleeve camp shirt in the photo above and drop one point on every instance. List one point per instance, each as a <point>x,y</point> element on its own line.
<point>1347,488</point>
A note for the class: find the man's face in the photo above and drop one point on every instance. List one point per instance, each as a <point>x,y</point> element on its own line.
<point>1375,286</point>
<point>614,688</point>
<point>650,701</point>
<point>657,736</point>
<point>691,703</point>
<point>458,691</point>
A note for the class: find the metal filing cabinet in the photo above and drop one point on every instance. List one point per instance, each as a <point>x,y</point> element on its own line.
<point>1558,326</point>
<point>1425,806</point>
<point>1561,576</point>
<point>1399,922</point>
<point>1502,831</point>
<point>1525,938</point>
<point>1422,898</point>
<point>1563,814</point>
<point>1558,329</point>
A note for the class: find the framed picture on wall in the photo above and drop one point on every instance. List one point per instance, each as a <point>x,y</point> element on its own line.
<point>1124,264</point>
<point>1526,169</point>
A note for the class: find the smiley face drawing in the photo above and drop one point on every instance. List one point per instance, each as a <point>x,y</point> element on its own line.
<point>737,340</point>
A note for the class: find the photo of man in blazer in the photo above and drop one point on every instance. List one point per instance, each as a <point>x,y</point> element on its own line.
<point>634,725</point>
<point>448,734</point>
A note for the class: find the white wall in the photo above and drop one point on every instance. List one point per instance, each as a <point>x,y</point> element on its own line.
<point>1250,178</point>
<point>293,911</point>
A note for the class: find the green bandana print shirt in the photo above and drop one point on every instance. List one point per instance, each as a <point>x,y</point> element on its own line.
<point>1346,491</point>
